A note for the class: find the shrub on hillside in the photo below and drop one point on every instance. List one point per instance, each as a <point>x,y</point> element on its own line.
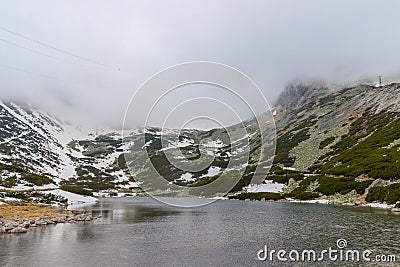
<point>8,182</point>
<point>324,143</point>
<point>36,179</point>
<point>286,142</point>
<point>329,185</point>
<point>301,191</point>
<point>389,194</point>
<point>77,190</point>
<point>10,168</point>
<point>258,196</point>
<point>284,179</point>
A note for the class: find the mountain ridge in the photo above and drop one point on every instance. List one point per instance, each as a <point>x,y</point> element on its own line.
<point>319,132</point>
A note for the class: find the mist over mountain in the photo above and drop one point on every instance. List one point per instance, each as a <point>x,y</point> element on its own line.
<point>120,46</point>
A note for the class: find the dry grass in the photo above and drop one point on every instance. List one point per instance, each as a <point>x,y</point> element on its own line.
<point>29,212</point>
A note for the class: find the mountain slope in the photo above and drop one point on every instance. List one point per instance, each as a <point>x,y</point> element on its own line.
<point>342,140</point>
<point>342,147</point>
<point>318,130</point>
<point>28,139</point>
<point>35,143</point>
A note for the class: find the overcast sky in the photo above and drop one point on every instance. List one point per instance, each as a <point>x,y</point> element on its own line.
<point>273,42</point>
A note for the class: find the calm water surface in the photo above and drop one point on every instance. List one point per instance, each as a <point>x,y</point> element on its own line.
<point>143,232</point>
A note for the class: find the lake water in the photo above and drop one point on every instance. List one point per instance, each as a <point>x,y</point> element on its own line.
<point>143,232</point>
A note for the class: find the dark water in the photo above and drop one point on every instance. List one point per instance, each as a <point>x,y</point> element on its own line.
<point>143,232</point>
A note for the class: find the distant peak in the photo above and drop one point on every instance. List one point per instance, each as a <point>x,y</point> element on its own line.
<point>299,92</point>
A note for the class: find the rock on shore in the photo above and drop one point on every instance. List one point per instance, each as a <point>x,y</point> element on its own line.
<point>16,225</point>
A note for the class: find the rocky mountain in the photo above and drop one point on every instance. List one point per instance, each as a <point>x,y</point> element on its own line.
<point>325,128</point>
<point>37,149</point>
<point>298,93</point>
<point>346,143</point>
<point>328,142</point>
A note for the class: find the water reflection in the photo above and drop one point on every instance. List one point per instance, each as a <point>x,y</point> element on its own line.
<point>142,232</point>
<point>130,212</point>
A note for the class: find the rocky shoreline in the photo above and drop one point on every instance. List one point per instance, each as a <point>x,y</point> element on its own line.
<point>17,225</point>
<point>383,206</point>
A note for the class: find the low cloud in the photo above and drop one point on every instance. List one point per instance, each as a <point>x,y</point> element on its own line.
<point>273,42</point>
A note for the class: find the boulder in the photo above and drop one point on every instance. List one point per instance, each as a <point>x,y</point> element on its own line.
<point>25,225</point>
<point>40,222</point>
<point>18,230</point>
<point>9,226</point>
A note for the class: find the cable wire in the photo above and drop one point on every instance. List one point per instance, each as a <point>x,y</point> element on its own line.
<point>29,72</point>
<point>57,49</point>
<point>40,53</point>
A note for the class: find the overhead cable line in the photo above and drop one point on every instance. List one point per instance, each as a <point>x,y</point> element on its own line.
<point>39,53</point>
<point>28,72</point>
<point>57,49</point>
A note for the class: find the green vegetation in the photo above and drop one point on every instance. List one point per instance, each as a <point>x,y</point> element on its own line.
<point>96,183</point>
<point>278,170</point>
<point>389,194</point>
<point>284,179</point>
<point>306,123</point>
<point>329,185</point>
<point>244,181</point>
<point>285,143</point>
<point>327,141</point>
<point>218,187</point>
<point>99,147</point>
<point>40,197</point>
<point>87,170</point>
<point>8,182</point>
<point>245,178</point>
<point>122,162</point>
<point>327,99</point>
<point>36,179</point>
<point>303,195</point>
<point>77,190</point>
<point>301,192</point>
<point>258,196</point>
<point>373,155</point>
<point>165,168</point>
<point>10,168</point>
<point>31,178</point>
<point>204,181</point>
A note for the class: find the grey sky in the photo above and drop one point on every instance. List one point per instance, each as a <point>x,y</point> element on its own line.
<point>273,42</point>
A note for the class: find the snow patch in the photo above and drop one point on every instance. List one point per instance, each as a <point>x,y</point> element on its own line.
<point>212,171</point>
<point>73,198</point>
<point>187,177</point>
<point>379,205</point>
<point>268,186</point>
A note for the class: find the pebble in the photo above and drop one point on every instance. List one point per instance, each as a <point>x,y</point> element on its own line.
<point>16,225</point>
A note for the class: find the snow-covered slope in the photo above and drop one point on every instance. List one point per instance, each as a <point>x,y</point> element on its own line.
<point>34,142</point>
<point>37,149</point>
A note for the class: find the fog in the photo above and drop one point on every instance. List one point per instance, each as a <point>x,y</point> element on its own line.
<point>102,51</point>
